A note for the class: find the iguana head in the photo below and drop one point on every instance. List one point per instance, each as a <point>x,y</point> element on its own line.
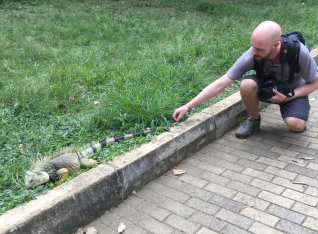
<point>33,179</point>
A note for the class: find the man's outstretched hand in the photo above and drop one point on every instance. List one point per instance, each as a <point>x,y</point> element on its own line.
<point>178,113</point>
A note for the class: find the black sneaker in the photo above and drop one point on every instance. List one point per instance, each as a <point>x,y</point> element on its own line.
<point>249,126</point>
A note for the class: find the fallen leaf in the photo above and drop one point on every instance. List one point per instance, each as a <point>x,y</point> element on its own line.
<point>20,147</point>
<point>96,102</point>
<point>133,192</point>
<point>298,182</point>
<point>307,158</point>
<point>91,230</point>
<point>178,172</point>
<point>121,227</point>
<point>80,231</point>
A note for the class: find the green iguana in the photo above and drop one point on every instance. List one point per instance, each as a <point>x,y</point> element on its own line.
<point>54,166</point>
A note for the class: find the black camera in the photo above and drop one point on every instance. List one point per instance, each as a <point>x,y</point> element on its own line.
<point>266,91</point>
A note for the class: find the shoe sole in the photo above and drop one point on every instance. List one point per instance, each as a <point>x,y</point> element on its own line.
<point>245,136</point>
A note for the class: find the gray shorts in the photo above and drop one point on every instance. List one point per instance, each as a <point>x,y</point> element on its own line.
<point>297,108</point>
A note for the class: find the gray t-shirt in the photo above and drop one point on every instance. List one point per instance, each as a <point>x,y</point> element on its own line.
<point>308,68</point>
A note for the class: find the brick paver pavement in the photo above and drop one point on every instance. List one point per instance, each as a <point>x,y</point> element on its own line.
<point>233,186</point>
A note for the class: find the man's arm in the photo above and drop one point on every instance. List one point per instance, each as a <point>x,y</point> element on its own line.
<point>206,94</point>
<point>301,91</point>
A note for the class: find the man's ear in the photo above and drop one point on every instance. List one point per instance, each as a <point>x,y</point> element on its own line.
<point>277,43</point>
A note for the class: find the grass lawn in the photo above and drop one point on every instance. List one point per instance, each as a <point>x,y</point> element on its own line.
<point>139,59</point>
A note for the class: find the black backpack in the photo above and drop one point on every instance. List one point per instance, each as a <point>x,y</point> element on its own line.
<point>290,48</point>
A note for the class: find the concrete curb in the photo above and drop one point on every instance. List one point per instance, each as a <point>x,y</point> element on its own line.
<point>86,197</point>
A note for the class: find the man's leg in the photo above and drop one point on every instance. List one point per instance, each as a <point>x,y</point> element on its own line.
<point>249,89</point>
<point>296,113</point>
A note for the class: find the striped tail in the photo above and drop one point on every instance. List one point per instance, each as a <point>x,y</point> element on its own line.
<point>88,152</point>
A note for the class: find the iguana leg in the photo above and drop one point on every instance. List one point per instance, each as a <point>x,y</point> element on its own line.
<point>62,172</point>
<point>87,162</point>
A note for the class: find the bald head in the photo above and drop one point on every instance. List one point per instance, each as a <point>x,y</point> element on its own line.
<point>266,33</point>
<point>265,41</point>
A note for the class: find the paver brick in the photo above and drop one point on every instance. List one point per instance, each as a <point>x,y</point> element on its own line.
<point>234,218</point>
<point>211,168</point>
<point>186,188</point>
<point>305,150</point>
<point>292,228</point>
<point>244,188</point>
<point>271,162</point>
<point>112,220</point>
<point>177,208</point>
<point>252,164</point>
<point>287,183</point>
<point>151,196</point>
<point>153,211</point>
<point>258,174</point>
<point>276,143</point>
<point>311,223</point>
<point>167,191</point>
<point>251,201</point>
<point>231,229</point>
<point>193,180</point>
<point>260,145</point>
<point>215,178</point>
<point>234,145</point>
<point>291,160</point>
<point>154,226</point>
<point>280,172</point>
<point>307,180</point>
<point>220,163</point>
<point>260,216</point>
<point>133,201</point>
<point>223,156</point>
<point>312,191</point>
<point>279,150</point>
<point>267,186</point>
<point>301,170</point>
<point>309,139</point>
<point>285,214</point>
<point>265,153</point>
<point>185,225</point>
<point>227,203</point>
<point>216,146</point>
<point>223,191</point>
<point>312,166</point>
<point>191,161</point>
<point>307,199</point>
<point>259,228</point>
<point>128,213</point>
<point>204,230</point>
<point>203,206</point>
<point>208,221</point>
<point>102,229</point>
<point>297,142</point>
<point>306,210</point>
<point>243,154</point>
<point>237,176</point>
<point>276,199</point>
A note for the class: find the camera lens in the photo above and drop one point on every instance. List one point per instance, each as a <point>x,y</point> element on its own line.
<point>265,94</point>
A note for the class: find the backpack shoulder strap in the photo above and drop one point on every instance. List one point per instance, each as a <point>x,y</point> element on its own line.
<point>290,48</point>
<point>259,68</point>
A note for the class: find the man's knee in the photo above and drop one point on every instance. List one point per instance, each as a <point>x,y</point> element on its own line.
<point>248,86</point>
<point>295,124</point>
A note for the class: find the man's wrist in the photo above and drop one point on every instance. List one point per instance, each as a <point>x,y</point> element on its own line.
<point>285,99</point>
